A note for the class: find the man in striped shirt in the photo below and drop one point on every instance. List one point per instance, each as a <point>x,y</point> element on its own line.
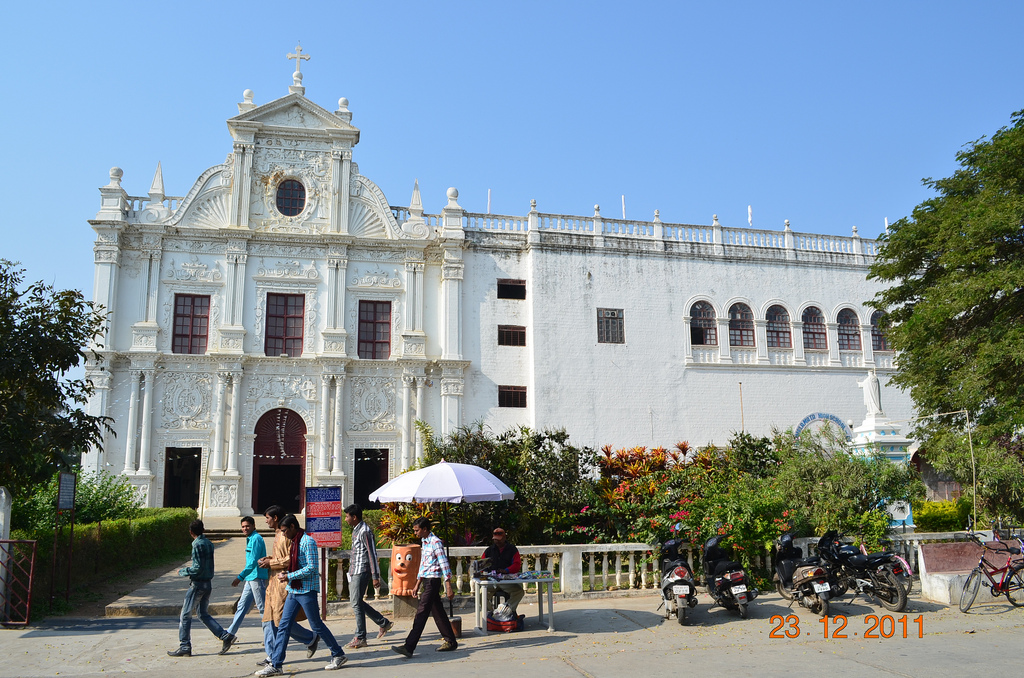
<point>434,569</point>
<point>303,583</point>
<point>363,566</point>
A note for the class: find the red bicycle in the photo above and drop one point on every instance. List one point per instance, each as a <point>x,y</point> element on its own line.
<point>1011,579</point>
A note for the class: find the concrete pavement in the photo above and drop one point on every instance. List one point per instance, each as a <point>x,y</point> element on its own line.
<point>596,638</point>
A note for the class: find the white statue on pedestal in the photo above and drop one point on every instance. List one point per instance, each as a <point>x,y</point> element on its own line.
<point>872,394</point>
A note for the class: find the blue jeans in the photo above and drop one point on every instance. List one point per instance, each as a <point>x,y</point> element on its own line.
<point>299,633</point>
<point>311,606</point>
<point>252,592</point>
<point>356,589</point>
<point>197,596</point>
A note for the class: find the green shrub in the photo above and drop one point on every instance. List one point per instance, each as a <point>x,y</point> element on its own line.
<point>99,496</point>
<point>941,516</point>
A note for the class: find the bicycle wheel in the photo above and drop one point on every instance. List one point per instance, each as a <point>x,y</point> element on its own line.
<point>970,590</point>
<point>1015,585</point>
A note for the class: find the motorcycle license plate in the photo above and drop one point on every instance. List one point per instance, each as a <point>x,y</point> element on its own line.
<point>680,590</point>
<point>821,588</point>
<point>739,588</point>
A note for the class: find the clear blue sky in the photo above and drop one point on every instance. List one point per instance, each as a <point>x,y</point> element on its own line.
<point>827,114</point>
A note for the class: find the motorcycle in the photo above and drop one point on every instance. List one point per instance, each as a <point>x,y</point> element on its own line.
<point>725,579</point>
<point>801,579</point>
<point>677,588</point>
<point>875,574</point>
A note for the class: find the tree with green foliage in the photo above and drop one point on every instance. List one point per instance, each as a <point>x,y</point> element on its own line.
<point>44,332</point>
<point>549,475</point>
<point>955,316</point>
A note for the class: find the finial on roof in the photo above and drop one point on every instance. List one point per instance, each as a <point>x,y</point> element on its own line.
<point>453,197</point>
<point>247,101</point>
<point>657,215</point>
<point>343,111</point>
<point>416,204</point>
<point>854,231</point>
<point>787,225</point>
<point>714,220</point>
<point>296,87</point>
<point>533,204</point>
<point>156,190</point>
<point>115,176</point>
<point>597,210</point>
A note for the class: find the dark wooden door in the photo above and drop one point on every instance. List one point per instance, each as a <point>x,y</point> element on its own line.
<point>279,461</point>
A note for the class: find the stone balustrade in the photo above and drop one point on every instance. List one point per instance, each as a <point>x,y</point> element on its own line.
<point>136,204</point>
<point>580,568</point>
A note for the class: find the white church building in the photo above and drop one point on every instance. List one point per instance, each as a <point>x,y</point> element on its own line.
<point>282,325</point>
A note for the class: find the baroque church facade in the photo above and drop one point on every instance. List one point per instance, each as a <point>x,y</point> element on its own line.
<point>283,326</point>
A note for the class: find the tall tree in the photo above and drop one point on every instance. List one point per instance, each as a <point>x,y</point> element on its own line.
<point>955,309</point>
<point>44,332</point>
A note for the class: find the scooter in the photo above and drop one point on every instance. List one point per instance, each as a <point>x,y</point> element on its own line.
<point>725,579</point>
<point>801,579</point>
<point>678,591</point>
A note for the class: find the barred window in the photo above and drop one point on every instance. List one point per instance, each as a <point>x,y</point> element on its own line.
<point>374,330</point>
<point>815,334</point>
<point>703,328</point>
<point>509,288</point>
<point>291,197</point>
<point>511,396</point>
<point>849,330</point>
<point>778,328</point>
<point>741,325</point>
<point>878,340</point>
<point>284,325</point>
<point>511,335</point>
<point>610,326</point>
<point>191,323</point>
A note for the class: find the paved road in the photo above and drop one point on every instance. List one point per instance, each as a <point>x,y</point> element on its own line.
<point>598,638</point>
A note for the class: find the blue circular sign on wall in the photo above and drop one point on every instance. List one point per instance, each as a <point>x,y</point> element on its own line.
<point>824,417</point>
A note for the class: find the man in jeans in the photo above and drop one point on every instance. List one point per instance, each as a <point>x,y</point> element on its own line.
<point>252,577</point>
<point>200,572</point>
<point>362,568</point>
<point>302,578</point>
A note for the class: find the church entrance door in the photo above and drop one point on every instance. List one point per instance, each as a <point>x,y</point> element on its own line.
<point>279,461</point>
<point>371,471</point>
<point>181,476</point>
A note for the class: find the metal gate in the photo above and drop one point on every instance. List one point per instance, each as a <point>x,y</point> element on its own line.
<point>17,569</point>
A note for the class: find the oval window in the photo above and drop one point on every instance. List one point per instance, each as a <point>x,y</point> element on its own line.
<point>291,197</point>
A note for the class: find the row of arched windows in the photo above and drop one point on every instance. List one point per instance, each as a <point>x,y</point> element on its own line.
<point>779,331</point>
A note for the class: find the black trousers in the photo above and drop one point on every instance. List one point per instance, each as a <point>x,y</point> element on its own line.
<point>430,605</point>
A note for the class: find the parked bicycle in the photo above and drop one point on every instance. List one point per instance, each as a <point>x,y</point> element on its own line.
<point>1011,574</point>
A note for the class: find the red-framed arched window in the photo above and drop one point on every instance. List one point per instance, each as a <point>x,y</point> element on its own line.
<point>741,325</point>
<point>778,330</point>
<point>703,328</point>
<point>815,334</point>
<point>878,340</point>
<point>849,330</point>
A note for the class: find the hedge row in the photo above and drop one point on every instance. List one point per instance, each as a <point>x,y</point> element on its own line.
<point>108,548</point>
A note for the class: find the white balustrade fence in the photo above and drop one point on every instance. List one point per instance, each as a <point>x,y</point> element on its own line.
<point>715,235</point>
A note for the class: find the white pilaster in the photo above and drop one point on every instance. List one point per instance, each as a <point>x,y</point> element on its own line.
<point>148,401</point>
<point>234,422</point>
<point>217,460</point>
<point>130,428</point>
<point>325,413</point>
<point>407,384</point>
<point>339,424</point>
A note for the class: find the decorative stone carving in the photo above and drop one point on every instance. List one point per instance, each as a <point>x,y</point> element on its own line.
<point>276,249</point>
<point>451,387</point>
<point>378,278</point>
<point>211,211</point>
<point>186,401</point>
<point>223,495</point>
<point>194,246</point>
<point>287,269</point>
<point>377,255</point>
<point>144,337</point>
<point>275,164</point>
<point>283,387</point>
<point>193,270</point>
<point>373,404</point>
<point>291,286</point>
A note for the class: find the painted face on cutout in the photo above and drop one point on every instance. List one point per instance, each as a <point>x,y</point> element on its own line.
<point>405,563</point>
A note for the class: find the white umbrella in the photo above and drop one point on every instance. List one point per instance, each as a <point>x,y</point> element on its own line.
<point>444,482</point>
<point>451,483</point>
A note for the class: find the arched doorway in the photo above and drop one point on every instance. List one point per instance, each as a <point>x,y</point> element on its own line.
<point>279,461</point>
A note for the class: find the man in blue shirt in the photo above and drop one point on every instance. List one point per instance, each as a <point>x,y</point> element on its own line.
<point>200,572</point>
<point>252,577</point>
<point>303,582</point>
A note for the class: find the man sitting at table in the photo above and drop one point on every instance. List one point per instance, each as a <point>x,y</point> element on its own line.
<point>504,558</point>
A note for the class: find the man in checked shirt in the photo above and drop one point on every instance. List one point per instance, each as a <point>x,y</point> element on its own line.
<point>434,569</point>
<point>363,567</point>
<point>303,583</point>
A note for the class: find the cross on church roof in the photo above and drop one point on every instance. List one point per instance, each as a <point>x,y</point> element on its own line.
<point>299,58</point>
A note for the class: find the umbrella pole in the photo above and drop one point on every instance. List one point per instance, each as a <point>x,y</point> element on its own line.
<point>448,552</point>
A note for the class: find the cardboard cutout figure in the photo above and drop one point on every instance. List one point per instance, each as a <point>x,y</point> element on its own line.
<point>405,564</point>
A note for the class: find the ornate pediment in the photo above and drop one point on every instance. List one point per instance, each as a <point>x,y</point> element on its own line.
<point>295,112</point>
